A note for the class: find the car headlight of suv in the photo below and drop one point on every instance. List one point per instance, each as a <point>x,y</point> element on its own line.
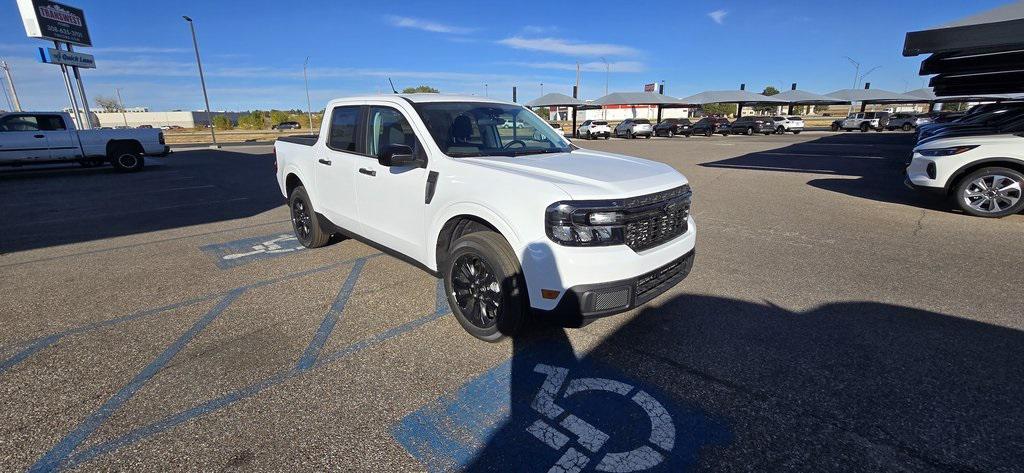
<point>946,151</point>
<point>584,224</point>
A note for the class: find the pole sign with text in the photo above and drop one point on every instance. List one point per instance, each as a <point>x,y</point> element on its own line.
<point>68,58</point>
<point>54,21</point>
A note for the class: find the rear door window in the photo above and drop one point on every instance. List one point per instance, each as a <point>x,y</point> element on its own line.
<point>50,123</point>
<point>344,127</point>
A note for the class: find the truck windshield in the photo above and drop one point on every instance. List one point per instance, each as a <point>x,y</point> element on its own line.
<point>463,129</point>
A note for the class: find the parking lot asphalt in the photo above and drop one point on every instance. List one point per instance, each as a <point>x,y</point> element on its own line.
<point>834,321</point>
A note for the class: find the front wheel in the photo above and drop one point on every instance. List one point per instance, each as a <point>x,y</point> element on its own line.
<point>304,220</point>
<point>780,131</point>
<point>835,127</point>
<point>707,132</point>
<point>991,192</point>
<point>671,133</point>
<point>796,132</point>
<point>907,127</point>
<point>485,286</point>
<point>864,127</point>
<point>749,131</point>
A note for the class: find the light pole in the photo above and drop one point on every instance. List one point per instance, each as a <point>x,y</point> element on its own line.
<point>856,70</point>
<point>309,108</point>
<point>120,104</point>
<point>202,81</point>
<point>541,89</point>
<point>485,91</point>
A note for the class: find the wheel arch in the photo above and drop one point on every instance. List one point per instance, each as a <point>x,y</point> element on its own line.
<point>462,220</point>
<point>113,145</point>
<point>291,181</point>
<point>956,177</point>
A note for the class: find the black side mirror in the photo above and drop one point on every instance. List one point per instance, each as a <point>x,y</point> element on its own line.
<point>397,155</point>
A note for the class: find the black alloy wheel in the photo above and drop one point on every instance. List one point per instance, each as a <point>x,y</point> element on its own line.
<point>476,290</point>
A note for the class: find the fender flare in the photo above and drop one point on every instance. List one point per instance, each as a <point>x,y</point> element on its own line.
<point>474,209</point>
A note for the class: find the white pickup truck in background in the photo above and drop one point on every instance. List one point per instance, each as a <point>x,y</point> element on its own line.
<point>517,221</point>
<point>51,137</point>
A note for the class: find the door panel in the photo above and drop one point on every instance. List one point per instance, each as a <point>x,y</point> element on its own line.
<point>62,142</point>
<point>21,140</point>
<point>335,160</point>
<point>391,198</point>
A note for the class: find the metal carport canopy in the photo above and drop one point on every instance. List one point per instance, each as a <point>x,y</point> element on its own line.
<point>803,97</point>
<point>980,54</point>
<point>639,98</point>
<point>729,96</point>
<point>873,96</point>
<point>928,94</point>
<point>555,99</point>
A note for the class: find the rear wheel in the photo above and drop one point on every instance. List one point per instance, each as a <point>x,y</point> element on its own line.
<point>796,132</point>
<point>835,127</point>
<point>304,220</point>
<point>748,131</point>
<point>991,192</point>
<point>485,286</point>
<point>864,127</point>
<point>671,133</point>
<point>126,158</point>
<point>907,127</point>
<point>780,130</point>
<point>707,132</point>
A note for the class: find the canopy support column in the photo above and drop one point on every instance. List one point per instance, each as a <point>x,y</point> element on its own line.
<point>659,113</point>
<point>574,122</point>
<point>790,112</point>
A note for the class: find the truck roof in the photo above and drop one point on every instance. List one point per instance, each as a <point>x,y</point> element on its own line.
<point>423,98</point>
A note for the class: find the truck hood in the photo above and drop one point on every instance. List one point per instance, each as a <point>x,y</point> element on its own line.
<point>587,174</point>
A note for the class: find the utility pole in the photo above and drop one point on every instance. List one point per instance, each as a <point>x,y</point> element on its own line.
<point>202,81</point>
<point>309,107</point>
<point>577,77</point>
<point>10,84</point>
<point>120,104</point>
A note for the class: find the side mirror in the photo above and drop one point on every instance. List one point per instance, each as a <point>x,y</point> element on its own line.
<point>397,155</point>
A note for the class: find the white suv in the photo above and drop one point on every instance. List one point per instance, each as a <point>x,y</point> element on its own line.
<point>791,124</point>
<point>517,222</point>
<point>591,129</point>
<point>982,173</point>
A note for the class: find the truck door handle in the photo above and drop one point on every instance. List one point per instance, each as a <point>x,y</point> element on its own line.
<point>325,161</point>
<point>39,136</point>
<point>368,172</point>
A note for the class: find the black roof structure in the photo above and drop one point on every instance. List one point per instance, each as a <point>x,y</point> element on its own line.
<point>980,54</point>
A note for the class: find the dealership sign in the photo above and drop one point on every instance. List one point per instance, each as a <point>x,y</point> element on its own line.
<point>68,58</point>
<point>648,87</point>
<point>54,21</point>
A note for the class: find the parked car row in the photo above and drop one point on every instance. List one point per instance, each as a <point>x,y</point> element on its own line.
<point>976,160</point>
<point>670,127</point>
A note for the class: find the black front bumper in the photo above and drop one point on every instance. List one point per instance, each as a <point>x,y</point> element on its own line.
<point>586,302</point>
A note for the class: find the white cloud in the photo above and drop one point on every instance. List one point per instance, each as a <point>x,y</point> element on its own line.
<point>718,16</point>
<point>426,25</point>
<point>567,47</point>
<point>597,66</point>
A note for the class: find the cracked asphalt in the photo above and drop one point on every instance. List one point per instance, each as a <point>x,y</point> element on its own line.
<point>834,321</point>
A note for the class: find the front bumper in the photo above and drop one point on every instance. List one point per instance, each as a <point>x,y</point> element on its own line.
<point>583,303</point>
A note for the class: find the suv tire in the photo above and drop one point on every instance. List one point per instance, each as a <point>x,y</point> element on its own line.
<point>707,132</point>
<point>485,286</point>
<point>305,223</point>
<point>671,133</point>
<point>1002,202</point>
<point>748,131</point>
<point>864,127</point>
<point>907,127</point>
<point>780,131</point>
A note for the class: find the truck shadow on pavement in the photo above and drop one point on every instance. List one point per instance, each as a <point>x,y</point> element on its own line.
<point>876,159</point>
<point>49,206</point>
<point>847,386</point>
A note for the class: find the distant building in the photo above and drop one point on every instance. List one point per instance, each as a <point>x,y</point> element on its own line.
<point>137,116</point>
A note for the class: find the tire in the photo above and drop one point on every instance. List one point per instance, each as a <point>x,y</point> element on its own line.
<point>630,135</point>
<point>780,131</point>
<point>126,158</point>
<point>305,223</point>
<point>835,127</point>
<point>864,127</point>
<point>1007,202</point>
<point>707,132</point>
<point>607,136</point>
<point>797,132</point>
<point>748,131</point>
<point>647,137</point>
<point>671,133</point>
<point>907,127</point>
<point>494,266</point>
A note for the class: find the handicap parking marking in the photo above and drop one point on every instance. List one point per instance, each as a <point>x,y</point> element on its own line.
<point>538,412</point>
<point>236,253</point>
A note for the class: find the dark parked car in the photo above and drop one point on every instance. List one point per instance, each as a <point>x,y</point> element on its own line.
<point>673,126</point>
<point>710,125</point>
<point>286,126</point>
<point>750,124</point>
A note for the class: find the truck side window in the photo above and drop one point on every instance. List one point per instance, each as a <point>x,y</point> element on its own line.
<point>343,129</point>
<point>50,122</point>
<point>388,127</point>
<point>19,123</point>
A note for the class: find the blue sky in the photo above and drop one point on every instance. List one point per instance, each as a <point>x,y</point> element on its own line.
<point>253,51</point>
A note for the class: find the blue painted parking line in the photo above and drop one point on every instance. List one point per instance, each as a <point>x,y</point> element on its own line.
<point>282,376</point>
<point>331,319</point>
<point>238,252</point>
<point>33,346</point>
<point>543,410</point>
<point>60,452</point>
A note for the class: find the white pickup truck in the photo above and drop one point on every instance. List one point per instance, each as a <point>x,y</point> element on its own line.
<point>518,221</point>
<point>51,137</point>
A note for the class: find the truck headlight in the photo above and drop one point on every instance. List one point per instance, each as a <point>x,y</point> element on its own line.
<point>580,224</point>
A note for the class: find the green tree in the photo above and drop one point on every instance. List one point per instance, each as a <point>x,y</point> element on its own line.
<point>765,108</point>
<point>722,109</point>
<point>543,112</point>
<point>421,89</point>
<point>253,121</point>
<point>221,122</point>
<point>277,116</point>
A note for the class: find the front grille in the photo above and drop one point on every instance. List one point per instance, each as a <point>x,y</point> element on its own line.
<point>656,218</point>
<point>660,280</point>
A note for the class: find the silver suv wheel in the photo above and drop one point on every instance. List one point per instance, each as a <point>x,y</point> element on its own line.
<point>991,192</point>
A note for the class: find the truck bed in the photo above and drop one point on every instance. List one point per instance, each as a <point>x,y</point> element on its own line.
<point>306,140</point>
